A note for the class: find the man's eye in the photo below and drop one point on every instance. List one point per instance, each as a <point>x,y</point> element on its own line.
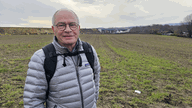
<point>73,24</point>
<point>61,25</point>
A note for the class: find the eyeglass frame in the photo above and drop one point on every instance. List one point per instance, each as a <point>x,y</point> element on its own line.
<point>64,27</point>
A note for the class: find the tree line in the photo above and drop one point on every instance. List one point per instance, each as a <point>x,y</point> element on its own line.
<point>184,29</point>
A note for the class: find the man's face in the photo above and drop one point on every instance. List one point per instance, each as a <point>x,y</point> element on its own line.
<point>66,37</point>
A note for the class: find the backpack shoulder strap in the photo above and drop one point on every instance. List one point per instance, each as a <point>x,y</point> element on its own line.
<point>50,62</point>
<point>89,54</point>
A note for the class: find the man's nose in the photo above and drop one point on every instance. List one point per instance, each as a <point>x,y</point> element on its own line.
<point>67,29</point>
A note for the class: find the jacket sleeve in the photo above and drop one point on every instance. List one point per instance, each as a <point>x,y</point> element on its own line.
<point>96,72</point>
<point>35,83</point>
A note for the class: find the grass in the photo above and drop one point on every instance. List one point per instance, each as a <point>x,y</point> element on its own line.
<point>156,66</point>
<point>159,80</point>
<point>16,53</point>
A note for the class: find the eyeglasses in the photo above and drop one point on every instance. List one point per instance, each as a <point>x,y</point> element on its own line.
<point>62,26</point>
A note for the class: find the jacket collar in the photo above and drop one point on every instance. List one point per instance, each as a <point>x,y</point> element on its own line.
<point>61,49</point>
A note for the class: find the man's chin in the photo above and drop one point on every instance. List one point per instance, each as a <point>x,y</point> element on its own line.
<point>68,37</point>
<point>70,42</point>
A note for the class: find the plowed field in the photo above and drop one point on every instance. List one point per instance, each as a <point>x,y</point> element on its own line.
<point>158,67</point>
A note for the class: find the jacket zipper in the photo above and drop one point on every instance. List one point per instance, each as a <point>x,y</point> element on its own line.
<point>55,106</point>
<point>76,67</point>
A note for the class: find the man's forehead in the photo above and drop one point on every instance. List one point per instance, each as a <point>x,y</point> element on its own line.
<point>65,13</point>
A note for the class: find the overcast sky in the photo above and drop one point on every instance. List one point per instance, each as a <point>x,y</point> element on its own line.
<point>94,13</point>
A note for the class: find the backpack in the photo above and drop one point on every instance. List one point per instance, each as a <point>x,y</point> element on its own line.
<point>50,61</point>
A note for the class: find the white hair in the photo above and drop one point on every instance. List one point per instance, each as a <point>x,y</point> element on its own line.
<point>65,9</point>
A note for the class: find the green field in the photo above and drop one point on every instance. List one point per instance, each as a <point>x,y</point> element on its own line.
<point>158,66</point>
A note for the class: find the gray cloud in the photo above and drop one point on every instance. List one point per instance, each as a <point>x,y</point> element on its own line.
<point>13,11</point>
<point>92,13</point>
<point>91,19</point>
<point>130,18</point>
<point>28,8</point>
<point>85,1</point>
<point>129,1</point>
<point>133,17</point>
<point>132,13</point>
<point>104,2</point>
<point>188,11</point>
<point>166,18</point>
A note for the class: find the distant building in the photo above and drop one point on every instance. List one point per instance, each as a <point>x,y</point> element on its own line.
<point>185,33</point>
<point>100,30</point>
<point>113,30</point>
<point>169,34</point>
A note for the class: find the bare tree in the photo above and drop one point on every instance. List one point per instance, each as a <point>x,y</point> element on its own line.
<point>182,28</point>
<point>188,23</point>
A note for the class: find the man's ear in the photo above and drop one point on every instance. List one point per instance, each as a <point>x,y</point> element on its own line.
<point>53,30</point>
<point>79,29</point>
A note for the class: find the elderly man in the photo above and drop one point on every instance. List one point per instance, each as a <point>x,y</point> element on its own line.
<point>74,83</point>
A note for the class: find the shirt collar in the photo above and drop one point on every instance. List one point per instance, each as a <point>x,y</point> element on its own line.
<point>63,49</point>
